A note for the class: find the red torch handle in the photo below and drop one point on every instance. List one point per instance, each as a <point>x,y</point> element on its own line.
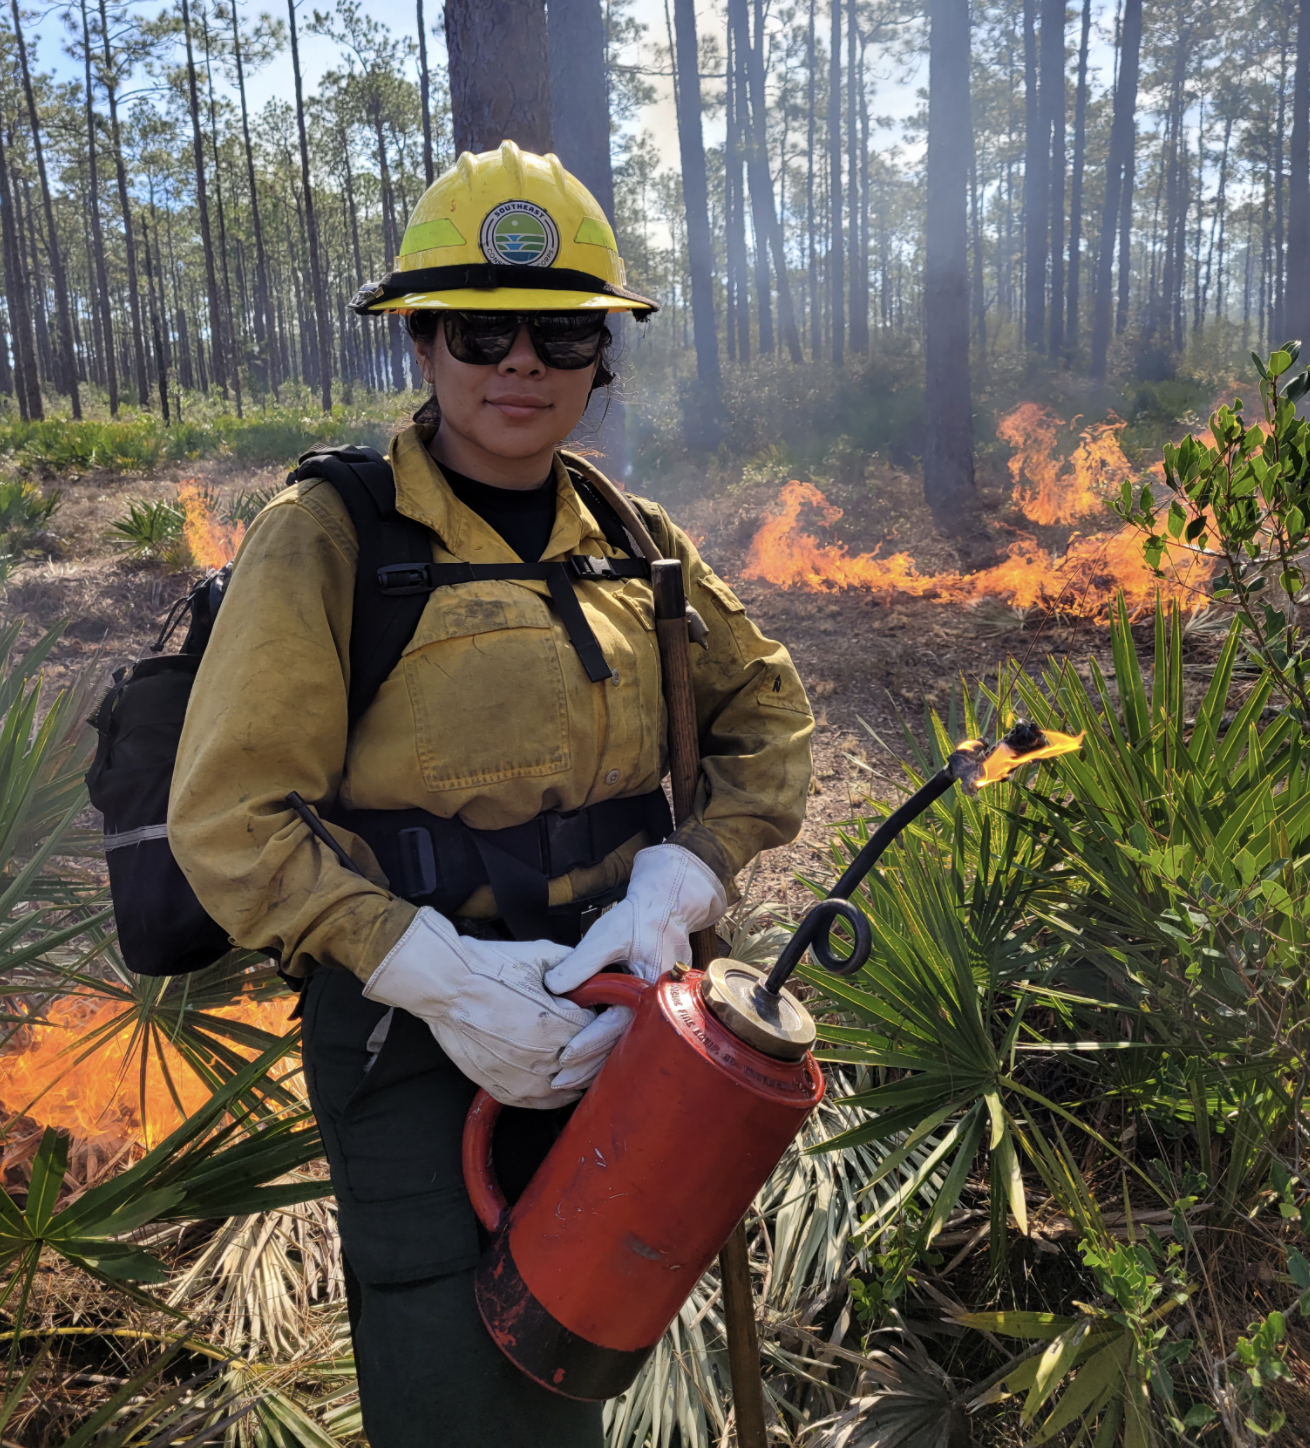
<point>480,1125</point>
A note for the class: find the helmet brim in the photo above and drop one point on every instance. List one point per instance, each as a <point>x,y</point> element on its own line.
<point>493,287</point>
<point>507,299</point>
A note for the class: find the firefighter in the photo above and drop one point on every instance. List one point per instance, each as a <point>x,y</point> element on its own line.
<point>516,751</point>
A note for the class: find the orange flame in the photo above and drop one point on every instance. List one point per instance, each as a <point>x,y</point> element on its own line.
<point>1082,582</point>
<point>212,544</point>
<point>100,1098</point>
<point>1063,489</point>
<point>1005,759</point>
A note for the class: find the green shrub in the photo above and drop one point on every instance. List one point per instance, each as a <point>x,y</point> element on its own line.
<point>245,506</point>
<point>52,447</point>
<point>150,530</point>
<point>185,442</point>
<point>1108,963</point>
<point>279,440</point>
<point>25,513</point>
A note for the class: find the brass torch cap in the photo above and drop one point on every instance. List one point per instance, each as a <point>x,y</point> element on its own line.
<point>777,1025</point>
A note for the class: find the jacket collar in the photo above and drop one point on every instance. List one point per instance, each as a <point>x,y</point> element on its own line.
<point>422,493</point>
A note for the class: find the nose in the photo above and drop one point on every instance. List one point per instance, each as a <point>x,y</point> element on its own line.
<point>521,360</point>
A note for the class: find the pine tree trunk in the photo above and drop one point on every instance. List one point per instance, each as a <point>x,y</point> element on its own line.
<point>859,261</point>
<point>352,230</point>
<point>975,226</point>
<point>580,112</point>
<point>125,207</point>
<point>6,372</point>
<point>731,173</point>
<point>161,359</point>
<point>1076,198</point>
<point>47,369</point>
<point>231,332</point>
<point>1214,249</point>
<point>762,182</point>
<point>812,258</point>
<point>263,301</point>
<point>1036,189</point>
<point>18,293</point>
<point>948,477</point>
<point>499,87</point>
<point>836,253</point>
<point>706,421</point>
<point>218,349</point>
<point>862,249</point>
<point>311,229</point>
<point>425,99</point>
<point>1163,300</point>
<point>757,177</point>
<point>97,232</point>
<point>66,373</point>
<point>1277,330</point>
<point>1297,323</point>
<point>1118,185</point>
<point>738,255</point>
<point>1126,234</point>
<point>1052,103</point>
<point>391,242</point>
<point>580,121</point>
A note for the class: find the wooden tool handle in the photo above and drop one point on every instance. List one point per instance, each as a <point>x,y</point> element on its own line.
<point>684,767</point>
<point>680,701</point>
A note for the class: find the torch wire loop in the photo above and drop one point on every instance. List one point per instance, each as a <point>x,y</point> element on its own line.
<point>814,931</point>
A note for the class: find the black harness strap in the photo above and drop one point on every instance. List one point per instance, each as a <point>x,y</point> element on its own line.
<point>393,578</point>
<point>401,580</point>
<point>381,626</point>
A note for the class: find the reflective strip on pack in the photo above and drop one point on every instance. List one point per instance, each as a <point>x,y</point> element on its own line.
<point>135,837</point>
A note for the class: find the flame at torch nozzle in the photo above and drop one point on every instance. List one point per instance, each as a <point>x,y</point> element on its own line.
<point>975,766</point>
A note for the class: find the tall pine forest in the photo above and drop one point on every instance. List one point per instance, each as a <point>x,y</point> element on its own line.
<point>1098,196</point>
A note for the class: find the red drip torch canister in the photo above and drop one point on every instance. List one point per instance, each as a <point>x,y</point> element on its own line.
<point>658,1163</point>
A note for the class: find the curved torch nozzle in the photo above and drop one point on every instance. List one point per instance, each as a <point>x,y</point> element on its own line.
<point>972,764</point>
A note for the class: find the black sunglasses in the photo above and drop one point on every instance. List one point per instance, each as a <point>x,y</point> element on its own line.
<point>567,340</point>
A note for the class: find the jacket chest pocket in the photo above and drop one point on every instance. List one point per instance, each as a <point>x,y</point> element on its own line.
<point>487,689</point>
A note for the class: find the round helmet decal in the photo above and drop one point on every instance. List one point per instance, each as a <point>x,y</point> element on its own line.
<point>517,233</point>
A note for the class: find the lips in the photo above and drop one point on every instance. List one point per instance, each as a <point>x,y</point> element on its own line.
<point>518,407</point>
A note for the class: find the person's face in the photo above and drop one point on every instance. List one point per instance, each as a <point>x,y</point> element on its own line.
<point>517,408</point>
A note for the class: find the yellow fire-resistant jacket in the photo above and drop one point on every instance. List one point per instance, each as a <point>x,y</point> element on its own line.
<point>489,715</point>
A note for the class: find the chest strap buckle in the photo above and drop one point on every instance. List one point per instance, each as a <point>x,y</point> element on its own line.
<point>398,579</point>
<point>585,565</point>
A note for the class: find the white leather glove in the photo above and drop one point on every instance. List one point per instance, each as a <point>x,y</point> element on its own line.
<point>487,1006</point>
<point>671,894</point>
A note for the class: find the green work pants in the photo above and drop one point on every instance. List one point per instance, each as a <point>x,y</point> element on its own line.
<point>429,1374</point>
<point>431,1377</point>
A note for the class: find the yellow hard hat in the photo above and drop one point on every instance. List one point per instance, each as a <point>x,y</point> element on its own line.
<point>506,231</point>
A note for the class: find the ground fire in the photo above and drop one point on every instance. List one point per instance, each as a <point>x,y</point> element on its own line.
<point>100,1098</point>
<point>1080,582</point>
<point>211,543</point>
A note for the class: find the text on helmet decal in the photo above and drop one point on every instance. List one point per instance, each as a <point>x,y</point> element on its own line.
<point>518,233</point>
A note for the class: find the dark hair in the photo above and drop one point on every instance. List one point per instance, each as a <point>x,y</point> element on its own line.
<point>422,327</point>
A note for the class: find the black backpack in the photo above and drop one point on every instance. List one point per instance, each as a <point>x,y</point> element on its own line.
<point>162,928</point>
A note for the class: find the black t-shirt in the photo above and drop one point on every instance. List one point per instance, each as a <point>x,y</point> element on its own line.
<point>524,517</point>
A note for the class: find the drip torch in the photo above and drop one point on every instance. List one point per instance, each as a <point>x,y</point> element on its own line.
<point>659,1162</point>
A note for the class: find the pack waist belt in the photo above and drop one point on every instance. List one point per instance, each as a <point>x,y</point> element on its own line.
<point>398,579</point>
<point>440,862</point>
